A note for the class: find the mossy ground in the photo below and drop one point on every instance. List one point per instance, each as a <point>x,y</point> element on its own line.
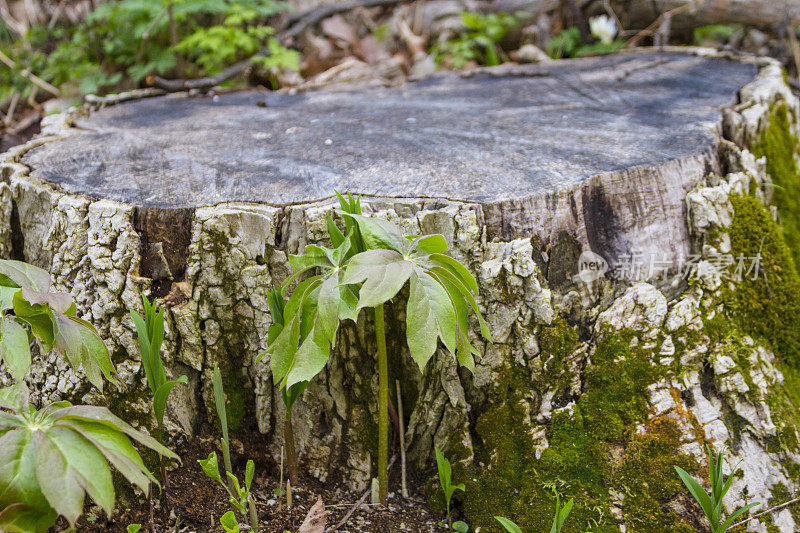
<point>594,446</point>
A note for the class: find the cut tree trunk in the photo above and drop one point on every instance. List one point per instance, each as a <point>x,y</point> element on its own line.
<point>199,201</point>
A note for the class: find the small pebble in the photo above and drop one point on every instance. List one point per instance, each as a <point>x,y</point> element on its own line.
<point>328,142</point>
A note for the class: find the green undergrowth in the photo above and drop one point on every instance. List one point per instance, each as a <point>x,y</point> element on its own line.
<point>594,446</point>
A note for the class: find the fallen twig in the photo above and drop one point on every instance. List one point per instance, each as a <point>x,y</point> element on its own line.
<point>403,488</point>
<point>24,124</point>
<point>296,24</point>
<point>25,73</point>
<point>360,502</point>
<point>770,510</point>
<point>633,41</point>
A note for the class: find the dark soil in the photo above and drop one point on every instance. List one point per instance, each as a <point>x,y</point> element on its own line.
<point>199,501</point>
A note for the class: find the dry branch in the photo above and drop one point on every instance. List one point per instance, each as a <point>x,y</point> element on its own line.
<point>694,13</point>
<point>29,75</point>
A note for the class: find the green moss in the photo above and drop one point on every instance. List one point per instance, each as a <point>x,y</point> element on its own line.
<point>780,147</point>
<point>768,306</point>
<point>647,477</point>
<point>512,482</point>
<point>784,405</point>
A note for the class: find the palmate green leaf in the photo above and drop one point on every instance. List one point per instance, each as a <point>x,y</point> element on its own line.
<point>378,233</point>
<point>310,358</point>
<point>510,526</point>
<point>429,316</point>
<point>464,348</point>
<point>52,319</point>
<point>78,341</point>
<point>116,447</point>
<point>21,518</point>
<point>86,467</point>
<point>57,480</point>
<point>467,296</point>
<point>15,351</point>
<point>18,482</point>
<point>102,415</point>
<point>383,273</point>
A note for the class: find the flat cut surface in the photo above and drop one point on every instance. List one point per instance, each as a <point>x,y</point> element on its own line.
<point>483,138</point>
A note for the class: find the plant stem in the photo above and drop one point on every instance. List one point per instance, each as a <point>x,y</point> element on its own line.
<point>383,406</point>
<point>253,513</point>
<point>291,454</point>
<point>226,457</point>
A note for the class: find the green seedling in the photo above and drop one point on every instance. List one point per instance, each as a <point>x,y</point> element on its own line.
<point>510,526</point>
<point>711,504</point>
<point>241,497</point>
<point>150,331</point>
<point>367,267</point>
<point>445,481</point>
<point>134,528</point>
<point>559,518</point>
<point>480,43</point>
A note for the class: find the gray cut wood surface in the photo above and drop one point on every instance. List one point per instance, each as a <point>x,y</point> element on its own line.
<point>605,148</point>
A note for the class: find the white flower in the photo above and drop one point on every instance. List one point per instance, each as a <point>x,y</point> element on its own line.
<point>603,28</point>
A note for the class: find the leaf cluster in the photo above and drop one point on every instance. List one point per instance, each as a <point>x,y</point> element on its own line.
<point>366,267</point>
<point>480,43</point>
<point>30,309</point>
<point>52,457</point>
<point>568,43</point>
<point>120,43</point>
<point>711,503</point>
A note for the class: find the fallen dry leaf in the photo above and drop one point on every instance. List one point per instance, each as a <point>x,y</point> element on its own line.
<point>316,519</point>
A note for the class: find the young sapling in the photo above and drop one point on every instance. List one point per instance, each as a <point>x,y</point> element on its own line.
<point>711,504</point>
<point>241,497</point>
<point>445,481</point>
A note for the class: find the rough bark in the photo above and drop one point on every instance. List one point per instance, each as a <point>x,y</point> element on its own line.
<point>605,191</point>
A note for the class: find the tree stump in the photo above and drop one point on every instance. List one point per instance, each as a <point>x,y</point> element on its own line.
<point>198,201</point>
